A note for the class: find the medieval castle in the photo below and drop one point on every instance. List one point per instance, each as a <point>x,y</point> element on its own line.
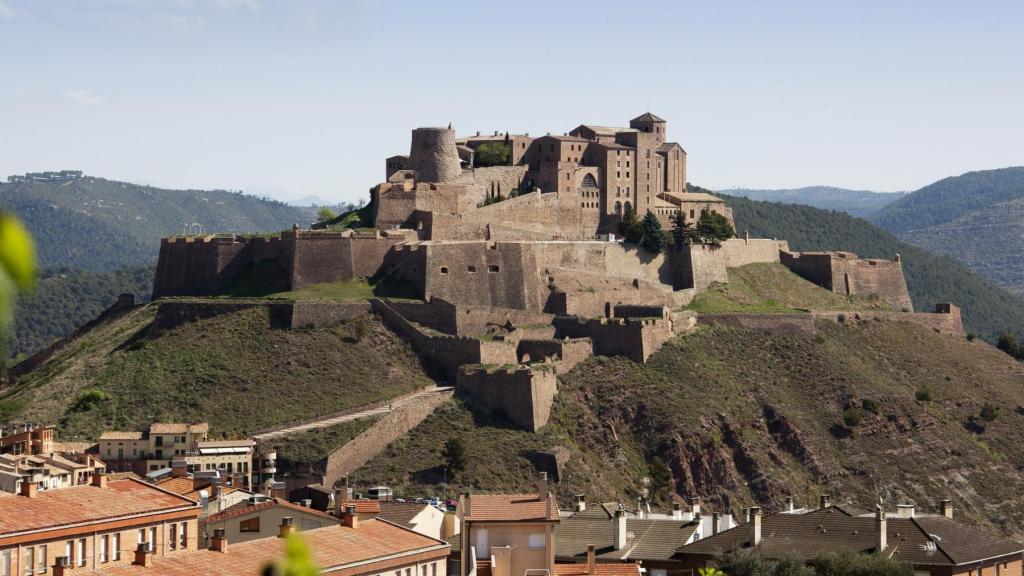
<point>512,238</point>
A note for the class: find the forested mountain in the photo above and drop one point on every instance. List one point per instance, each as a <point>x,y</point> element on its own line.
<point>988,309</point>
<point>103,225</point>
<point>65,299</point>
<point>854,202</point>
<point>977,218</point>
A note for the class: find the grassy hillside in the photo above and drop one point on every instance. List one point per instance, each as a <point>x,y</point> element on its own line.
<point>988,309</point>
<point>101,225</point>
<point>860,203</point>
<point>231,370</point>
<point>747,416</point>
<point>65,299</point>
<point>951,198</point>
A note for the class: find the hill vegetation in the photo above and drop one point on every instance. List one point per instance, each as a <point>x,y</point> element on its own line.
<point>64,299</point>
<point>988,309</point>
<point>741,416</point>
<point>102,225</point>
<point>860,203</point>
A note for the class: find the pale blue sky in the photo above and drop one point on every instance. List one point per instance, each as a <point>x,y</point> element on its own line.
<point>306,97</point>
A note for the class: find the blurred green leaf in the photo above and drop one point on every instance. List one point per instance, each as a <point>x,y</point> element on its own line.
<point>17,252</point>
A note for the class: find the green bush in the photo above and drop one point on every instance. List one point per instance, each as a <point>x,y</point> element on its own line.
<point>714,227</point>
<point>848,563</point>
<point>869,405</point>
<point>852,417</point>
<point>492,154</point>
<point>989,412</point>
<point>923,394</point>
<point>87,400</point>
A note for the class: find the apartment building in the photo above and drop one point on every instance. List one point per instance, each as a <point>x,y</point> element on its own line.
<point>26,439</point>
<point>47,471</point>
<point>92,526</point>
<point>260,517</point>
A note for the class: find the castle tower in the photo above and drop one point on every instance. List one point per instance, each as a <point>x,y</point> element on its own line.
<point>433,155</point>
<point>650,124</point>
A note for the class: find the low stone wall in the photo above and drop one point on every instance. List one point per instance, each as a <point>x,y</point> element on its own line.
<point>742,251</point>
<point>524,394</point>
<point>563,354</point>
<point>634,338</point>
<point>314,314</point>
<point>785,324</point>
<point>376,438</point>
<point>945,320</point>
<point>283,314</point>
<point>640,311</point>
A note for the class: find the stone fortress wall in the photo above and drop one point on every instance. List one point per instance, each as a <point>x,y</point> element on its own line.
<point>845,273</point>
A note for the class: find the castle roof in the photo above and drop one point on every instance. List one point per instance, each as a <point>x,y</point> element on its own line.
<point>647,117</point>
<point>664,147</point>
<point>607,130</point>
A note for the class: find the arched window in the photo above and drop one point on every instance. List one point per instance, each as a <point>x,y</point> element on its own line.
<point>589,181</point>
<point>618,208</point>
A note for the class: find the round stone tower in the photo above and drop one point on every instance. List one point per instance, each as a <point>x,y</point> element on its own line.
<point>433,155</point>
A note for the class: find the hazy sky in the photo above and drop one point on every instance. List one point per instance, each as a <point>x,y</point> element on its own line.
<point>299,98</point>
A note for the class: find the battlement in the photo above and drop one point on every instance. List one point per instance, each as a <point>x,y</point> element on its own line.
<point>523,394</point>
<point>845,273</point>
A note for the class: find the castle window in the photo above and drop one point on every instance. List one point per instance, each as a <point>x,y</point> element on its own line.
<point>444,269</point>
<point>691,214</point>
<point>492,268</point>
<point>618,174</point>
<point>472,268</point>
<point>627,174</point>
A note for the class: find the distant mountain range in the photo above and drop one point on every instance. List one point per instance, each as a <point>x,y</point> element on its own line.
<point>96,224</point>
<point>977,217</point>
<point>859,203</point>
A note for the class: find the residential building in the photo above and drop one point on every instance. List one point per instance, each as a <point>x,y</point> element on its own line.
<point>213,496</point>
<point>96,525</point>
<point>47,471</point>
<point>354,548</point>
<point>933,544</point>
<point>26,439</point>
<point>260,517</point>
<point>422,518</point>
<point>508,534</point>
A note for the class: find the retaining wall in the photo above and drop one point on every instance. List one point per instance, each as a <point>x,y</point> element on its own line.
<point>945,320</point>
<point>524,394</point>
<point>784,324</point>
<point>634,338</point>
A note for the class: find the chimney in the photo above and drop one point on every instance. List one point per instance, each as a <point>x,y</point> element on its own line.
<point>695,506</point>
<point>62,566</point>
<point>477,132</point>
<point>464,500</point>
<point>946,507</point>
<point>287,527</point>
<point>825,501</point>
<point>620,530</point>
<point>677,511</point>
<point>339,497</point>
<point>179,468</point>
<point>350,518</point>
<point>789,504</point>
<point>220,541</point>
<point>746,515</point>
<point>715,519</point>
<point>581,503</point>
<point>495,132</point>
<point>99,480</point>
<point>306,503</point>
<point>29,488</point>
<point>755,513</point>
<point>591,560</point>
<point>143,555</point>
<point>880,530</point>
<point>542,485</point>
<point>904,510</point>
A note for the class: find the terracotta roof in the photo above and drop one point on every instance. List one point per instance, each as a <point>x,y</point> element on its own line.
<point>86,503</point>
<point>184,486</point>
<point>808,535</point>
<point>565,138</point>
<point>178,428</point>
<point>331,548</point>
<point>363,505</point>
<point>511,508</point>
<point>606,130</point>
<point>652,539</point>
<point>697,197</point>
<point>74,447</point>
<point>600,569</point>
<point>120,435</point>
<point>666,146</point>
<point>245,508</point>
<point>647,117</point>
<point>400,513</point>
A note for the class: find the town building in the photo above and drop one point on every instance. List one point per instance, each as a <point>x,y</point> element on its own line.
<point>26,439</point>
<point>353,548</point>
<point>47,471</point>
<point>260,516</point>
<point>207,489</point>
<point>93,526</point>
<point>422,518</point>
<point>934,544</point>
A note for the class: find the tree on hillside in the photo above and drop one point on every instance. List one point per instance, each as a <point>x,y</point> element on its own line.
<point>492,154</point>
<point>662,482</point>
<point>629,226</point>
<point>1008,343</point>
<point>713,228</point>
<point>653,236</point>
<point>325,214</point>
<point>683,232</point>
<point>455,455</point>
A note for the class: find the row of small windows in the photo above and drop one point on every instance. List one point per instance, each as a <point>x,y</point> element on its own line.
<point>492,268</point>
<point>589,205</point>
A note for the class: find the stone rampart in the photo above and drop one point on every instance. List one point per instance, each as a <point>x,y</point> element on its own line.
<point>523,394</point>
<point>282,313</point>
<point>634,338</point>
<point>742,251</point>
<point>945,320</point>
<point>845,273</point>
<point>801,324</point>
<point>563,354</point>
<point>375,439</point>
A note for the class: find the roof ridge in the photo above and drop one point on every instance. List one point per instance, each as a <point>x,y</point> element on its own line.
<point>928,537</point>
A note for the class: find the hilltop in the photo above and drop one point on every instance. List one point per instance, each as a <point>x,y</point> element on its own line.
<point>102,225</point>
<point>977,218</point>
<point>860,203</point>
<point>987,308</point>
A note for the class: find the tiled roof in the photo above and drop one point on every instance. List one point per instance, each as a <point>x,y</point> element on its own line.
<point>607,130</point>
<point>400,513</point>
<point>697,197</point>
<point>808,535</point>
<point>333,547</point>
<point>245,508</point>
<point>511,508</point>
<point>243,442</point>
<point>565,138</point>
<point>86,503</point>
<point>184,486</point>
<point>666,146</point>
<point>74,447</point>
<point>651,539</point>
<point>600,569</point>
<point>178,428</point>
<point>647,117</point>
<point>120,435</point>
<point>363,505</point>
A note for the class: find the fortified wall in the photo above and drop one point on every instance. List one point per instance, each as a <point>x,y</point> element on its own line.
<point>845,273</point>
<point>524,394</point>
